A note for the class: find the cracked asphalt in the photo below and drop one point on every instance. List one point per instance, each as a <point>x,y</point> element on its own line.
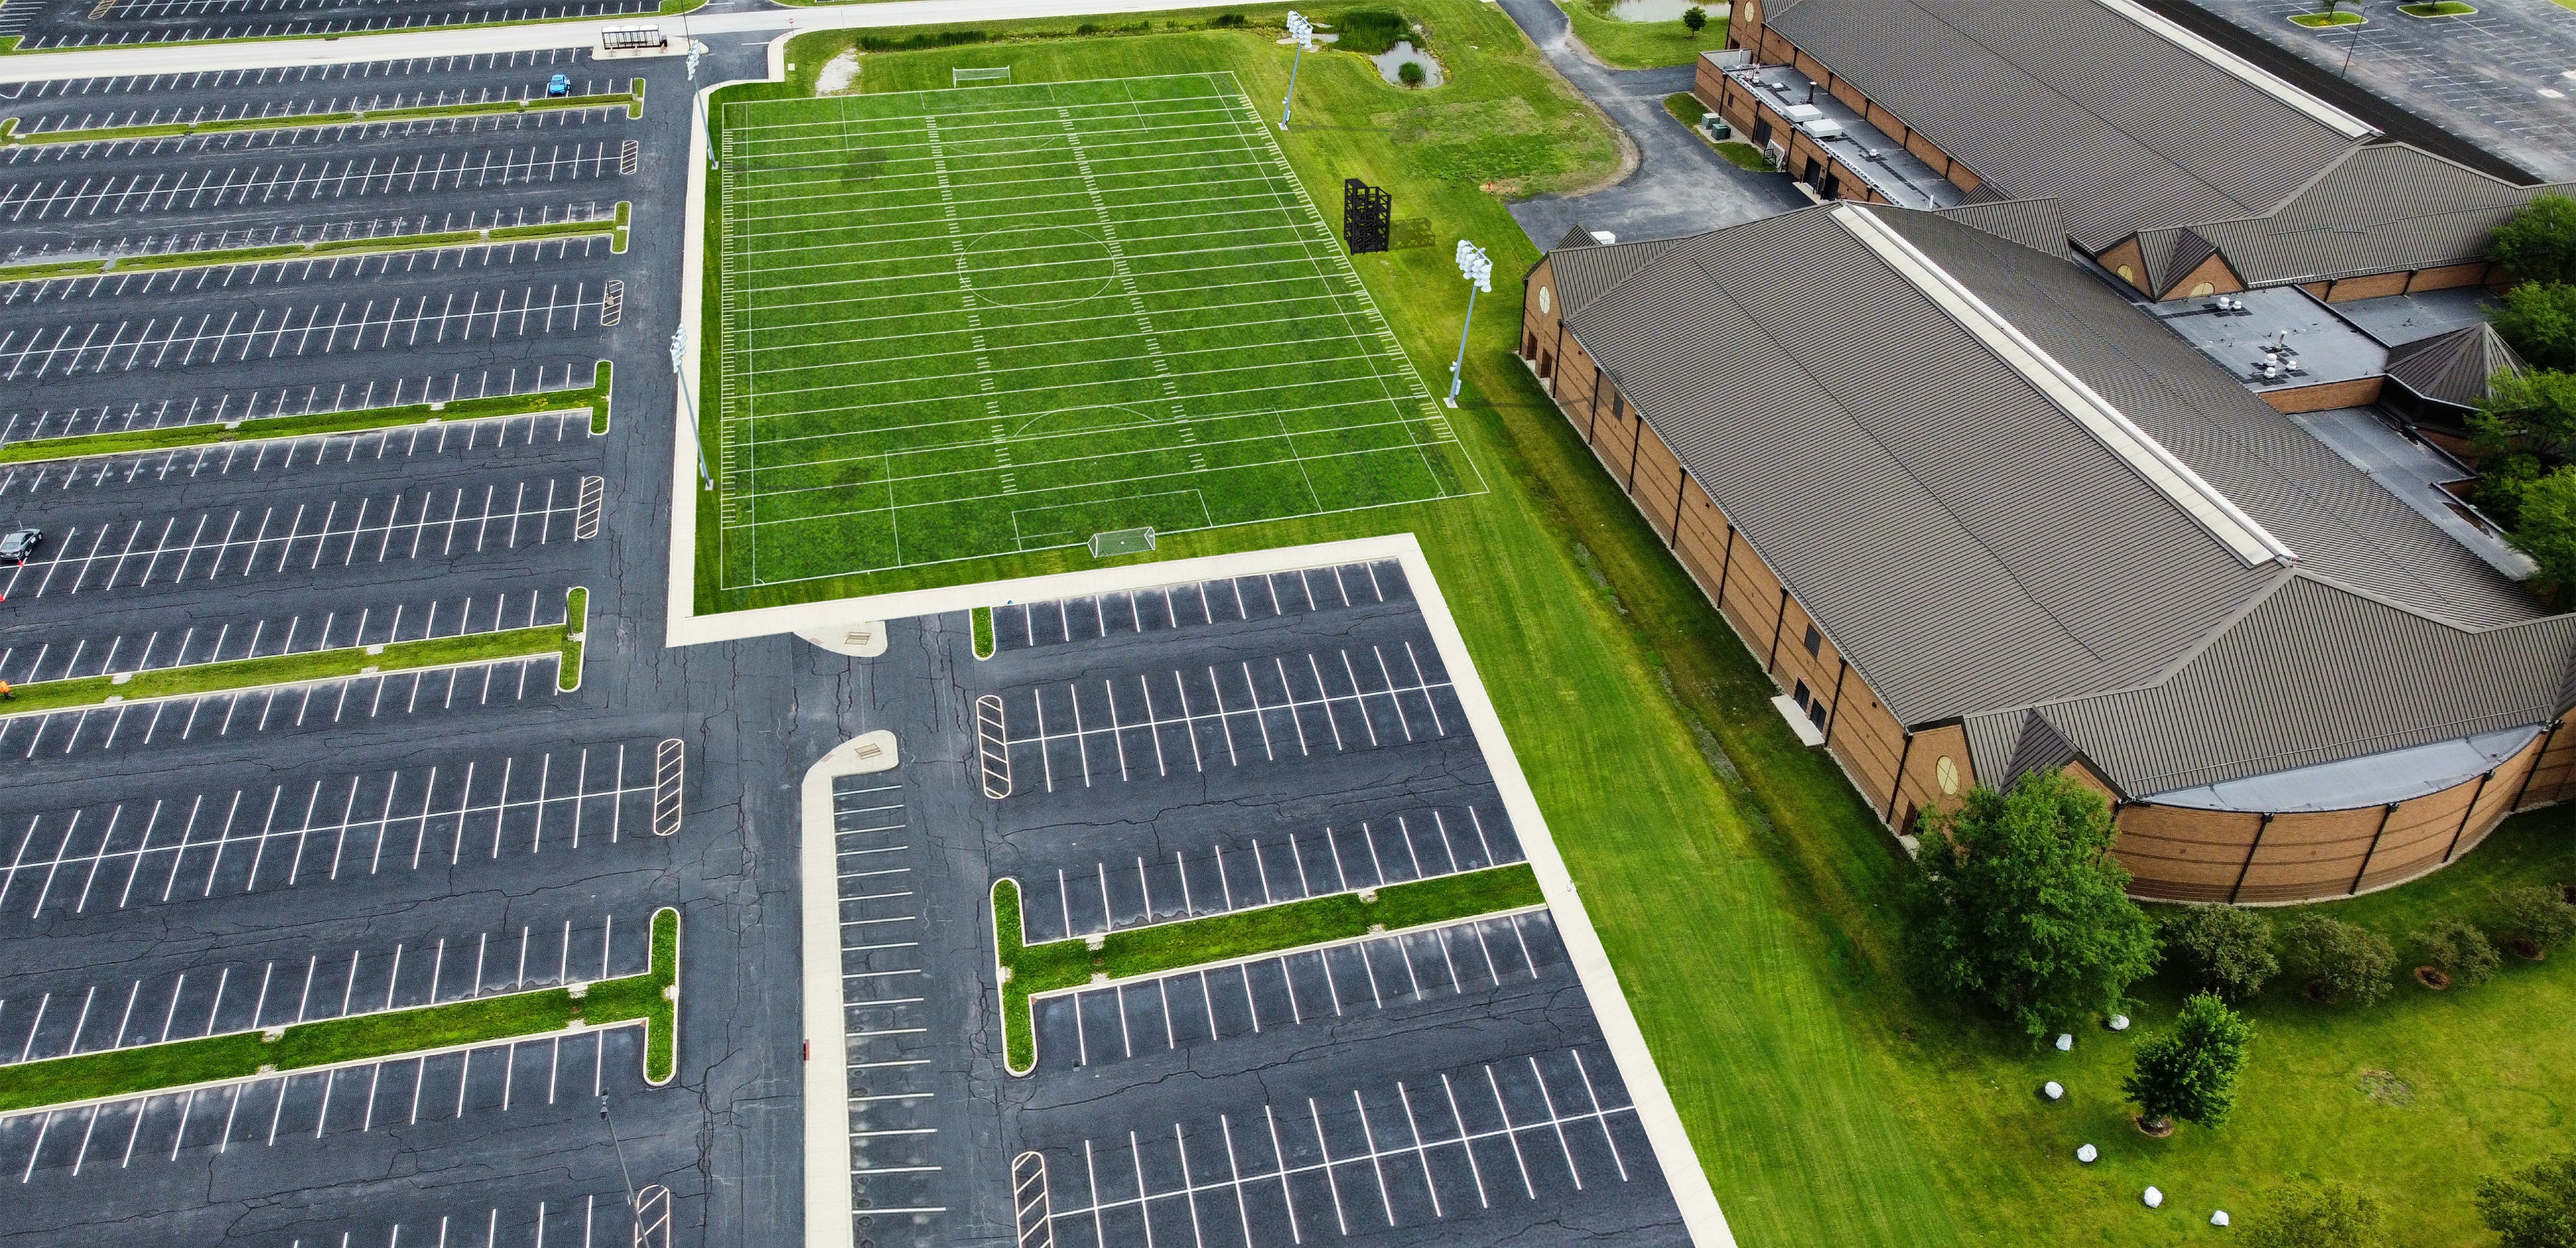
<point>211,864</point>
<point>1265,1102</point>
<point>379,842</point>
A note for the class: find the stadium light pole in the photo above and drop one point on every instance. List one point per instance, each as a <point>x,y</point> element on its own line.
<point>704,126</point>
<point>1479,272</point>
<point>679,351</point>
<point>1303,32</point>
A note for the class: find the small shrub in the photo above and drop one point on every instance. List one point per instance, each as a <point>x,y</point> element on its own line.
<point>2539,914</point>
<point>943,39</point>
<point>1370,31</point>
<point>2339,960</point>
<point>2324,1215</point>
<point>1087,28</point>
<point>2534,1207</point>
<point>2228,948</point>
<point>2463,952</point>
<point>1409,73</point>
<point>1231,21</point>
<point>1695,20</point>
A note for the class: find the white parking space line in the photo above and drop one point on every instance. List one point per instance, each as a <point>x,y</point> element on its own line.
<point>250,997</point>
<point>345,826</point>
<point>1352,1156</point>
<point>1234,694</point>
<point>1187,605</point>
<point>268,540</point>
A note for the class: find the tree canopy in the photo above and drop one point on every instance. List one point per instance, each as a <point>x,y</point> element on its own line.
<point>2339,959</point>
<point>2539,321</point>
<point>2190,1072</point>
<point>2020,905</point>
<point>2228,949</point>
<point>2539,244</point>
<point>2323,1215</point>
<point>2534,1207</point>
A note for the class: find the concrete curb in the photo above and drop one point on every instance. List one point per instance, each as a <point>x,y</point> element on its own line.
<point>826,1024</point>
<point>1619,1030</point>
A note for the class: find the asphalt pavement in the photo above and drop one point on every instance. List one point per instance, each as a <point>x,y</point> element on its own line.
<point>1680,185</point>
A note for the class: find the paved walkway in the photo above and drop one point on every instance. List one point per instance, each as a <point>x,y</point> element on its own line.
<point>1680,187</point>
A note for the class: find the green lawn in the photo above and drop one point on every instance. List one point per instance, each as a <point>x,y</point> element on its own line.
<point>594,398</point>
<point>1292,403</point>
<point>1641,45</point>
<point>1742,888</point>
<point>2327,21</point>
<point>1061,964</point>
<point>651,997</point>
<point>980,322</point>
<point>339,662</point>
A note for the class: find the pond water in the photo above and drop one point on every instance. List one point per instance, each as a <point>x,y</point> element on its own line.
<point>1662,11</point>
<point>1390,63</point>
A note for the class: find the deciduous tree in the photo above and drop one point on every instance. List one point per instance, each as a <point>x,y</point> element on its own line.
<point>2020,905</point>
<point>2190,1072</point>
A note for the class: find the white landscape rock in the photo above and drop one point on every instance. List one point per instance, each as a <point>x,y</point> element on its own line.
<point>2065,1041</point>
<point>2219,1218</point>
<point>2155,1198</point>
<point>2053,1090</point>
<point>2119,1022</point>
<point>2086,1154</point>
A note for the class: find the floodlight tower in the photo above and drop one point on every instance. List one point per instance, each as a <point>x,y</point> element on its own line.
<point>1303,32</point>
<point>679,352</point>
<point>1479,272</point>
<point>704,126</point>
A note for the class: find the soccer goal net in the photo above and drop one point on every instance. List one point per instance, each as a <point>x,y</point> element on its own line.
<point>961,77</point>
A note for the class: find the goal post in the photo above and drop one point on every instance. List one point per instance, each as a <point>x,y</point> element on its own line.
<point>962,77</point>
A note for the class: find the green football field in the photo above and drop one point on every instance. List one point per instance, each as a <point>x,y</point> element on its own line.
<point>965,323</point>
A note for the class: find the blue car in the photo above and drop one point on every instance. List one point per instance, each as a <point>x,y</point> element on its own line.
<point>559,85</point>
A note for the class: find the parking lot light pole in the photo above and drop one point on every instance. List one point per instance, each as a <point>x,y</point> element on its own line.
<point>1303,32</point>
<point>679,354</point>
<point>1479,272</point>
<point>620,1147</point>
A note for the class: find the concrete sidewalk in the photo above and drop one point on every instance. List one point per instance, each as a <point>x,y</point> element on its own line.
<point>1679,188</point>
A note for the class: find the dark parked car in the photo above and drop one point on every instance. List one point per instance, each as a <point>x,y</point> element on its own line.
<point>20,544</point>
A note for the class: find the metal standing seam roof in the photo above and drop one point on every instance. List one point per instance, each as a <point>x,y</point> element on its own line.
<point>1963,539</point>
<point>2314,673</point>
<point>2458,368</point>
<point>2077,100</point>
<point>2379,209</point>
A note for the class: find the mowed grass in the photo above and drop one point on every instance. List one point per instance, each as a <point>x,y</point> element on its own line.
<point>977,322</point>
<point>1744,892</point>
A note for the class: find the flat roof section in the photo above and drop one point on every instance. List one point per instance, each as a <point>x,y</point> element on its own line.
<point>2400,319</point>
<point>2415,474</point>
<point>2282,329</point>
<point>1882,162</point>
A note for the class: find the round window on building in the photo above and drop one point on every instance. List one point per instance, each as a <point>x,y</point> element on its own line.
<point>2203,288</point>
<point>1542,300</point>
<point>1947,772</point>
<point>2127,274</point>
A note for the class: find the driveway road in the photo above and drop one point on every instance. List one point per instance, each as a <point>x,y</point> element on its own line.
<point>1679,187</point>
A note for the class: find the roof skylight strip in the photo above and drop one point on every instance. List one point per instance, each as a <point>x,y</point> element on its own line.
<point>2252,75</point>
<point>2214,511</point>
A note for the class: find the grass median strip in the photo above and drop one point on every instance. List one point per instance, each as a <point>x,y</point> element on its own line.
<point>1059,964</point>
<point>576,618</point>
<point>651,997</point>
<point>592,398</point>
<point>289,669</point>
<point>632,98</point>
<point>614,230</point>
